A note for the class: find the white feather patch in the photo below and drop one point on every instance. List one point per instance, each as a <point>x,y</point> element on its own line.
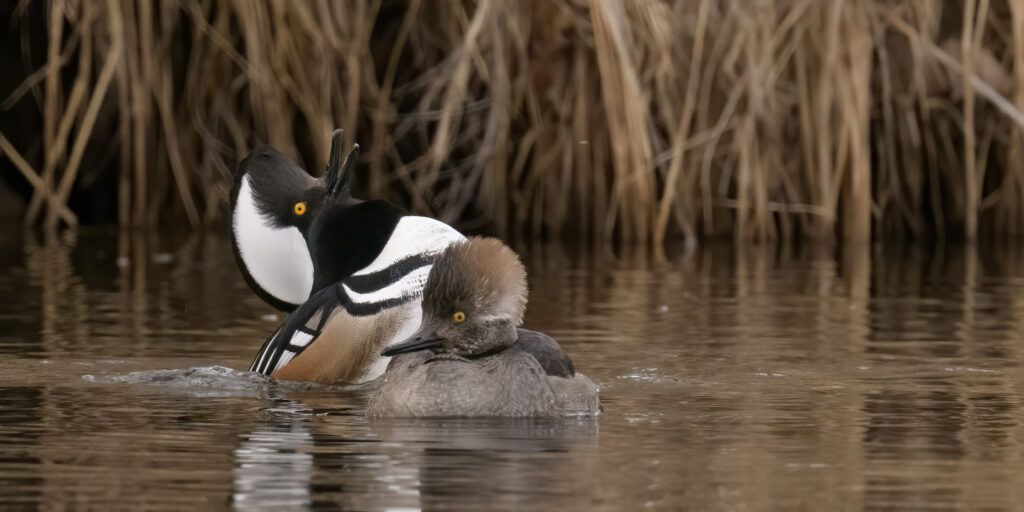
<point>413,235</point>
<point>276,258</point>
<point>286,357</point>
<point>409,285</point>
<point>300,339</point>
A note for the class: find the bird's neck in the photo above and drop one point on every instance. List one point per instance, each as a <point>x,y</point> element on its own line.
<point>491,339</point>
<point>346,239</point>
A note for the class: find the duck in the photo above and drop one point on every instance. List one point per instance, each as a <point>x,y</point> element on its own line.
<point>348,272</point>
<point>470,357</point>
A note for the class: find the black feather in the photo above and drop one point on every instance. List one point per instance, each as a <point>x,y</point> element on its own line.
<point>546,351</point>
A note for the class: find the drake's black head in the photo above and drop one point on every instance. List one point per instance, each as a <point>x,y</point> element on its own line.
<point>274,205</point>
<point>285,195</point>
<point>294,234</point>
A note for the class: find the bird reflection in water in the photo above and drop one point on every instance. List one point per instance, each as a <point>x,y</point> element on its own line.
<point>308,453</point>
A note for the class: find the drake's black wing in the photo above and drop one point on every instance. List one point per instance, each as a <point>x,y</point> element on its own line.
<point>546,351</point>
<point>364,295</point>
<point>298,331</point>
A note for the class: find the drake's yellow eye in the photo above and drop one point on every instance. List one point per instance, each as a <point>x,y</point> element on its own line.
<point>300,208</point>
<point>459,316</point>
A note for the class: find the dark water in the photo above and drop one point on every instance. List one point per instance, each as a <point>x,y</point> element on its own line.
<point>731,380</point>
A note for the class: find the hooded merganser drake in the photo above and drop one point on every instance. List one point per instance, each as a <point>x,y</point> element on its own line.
<point>350,271</point>
<point>469,358</point>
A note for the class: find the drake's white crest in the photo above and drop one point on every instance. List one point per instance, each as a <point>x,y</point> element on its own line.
<point>413,235</point>
<point>277,258</point>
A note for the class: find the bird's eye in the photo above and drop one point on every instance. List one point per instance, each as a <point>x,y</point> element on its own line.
<point>300,208</point>
<point>459,316</point>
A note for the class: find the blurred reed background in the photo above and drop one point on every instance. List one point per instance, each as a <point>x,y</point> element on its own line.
<point>641,120</point>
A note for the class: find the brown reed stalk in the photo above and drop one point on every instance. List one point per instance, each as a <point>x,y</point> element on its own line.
<point>1010,212</point>
<point>642,120</point>
<point>970,172</point>
<point>856,113</point>
<point>8,150</point>
<point>50,108</point>
<point>682,131</point>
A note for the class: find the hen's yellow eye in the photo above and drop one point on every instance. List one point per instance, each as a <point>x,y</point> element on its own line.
<point>459,316</point>
<point>300,208</point>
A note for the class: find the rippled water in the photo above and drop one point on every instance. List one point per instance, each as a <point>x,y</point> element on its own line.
<point>731,379</point>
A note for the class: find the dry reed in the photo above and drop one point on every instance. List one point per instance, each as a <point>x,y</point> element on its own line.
<point>640,120</point>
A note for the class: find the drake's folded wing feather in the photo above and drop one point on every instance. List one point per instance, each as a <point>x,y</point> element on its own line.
<point>298,331</point>
<point>546,351</point>
<point>360,295</point>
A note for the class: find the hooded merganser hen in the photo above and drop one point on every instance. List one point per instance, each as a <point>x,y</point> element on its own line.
<point>350,271</point>
<point>469,358</point>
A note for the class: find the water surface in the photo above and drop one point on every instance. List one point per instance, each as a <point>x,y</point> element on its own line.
<point>731,379</point>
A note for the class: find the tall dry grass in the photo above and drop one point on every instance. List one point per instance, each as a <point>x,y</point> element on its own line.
<point>642,120</point>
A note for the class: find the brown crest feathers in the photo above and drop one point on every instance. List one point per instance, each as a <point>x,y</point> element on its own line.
<point>480,276</point>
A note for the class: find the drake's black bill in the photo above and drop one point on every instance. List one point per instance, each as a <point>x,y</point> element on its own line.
<point>412,345</point>
<point>338,172</point>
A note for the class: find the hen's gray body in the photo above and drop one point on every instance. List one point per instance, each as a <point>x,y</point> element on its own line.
<point>531,377</point>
